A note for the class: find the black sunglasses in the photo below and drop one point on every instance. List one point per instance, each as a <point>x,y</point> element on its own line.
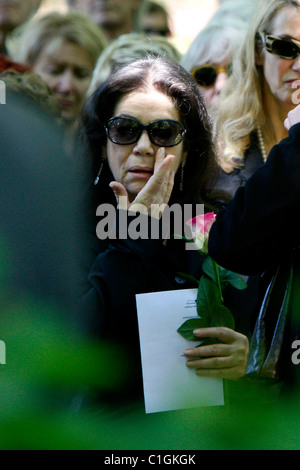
<point>206,75</point>
<point>126,131</point>
<point>286,48</point>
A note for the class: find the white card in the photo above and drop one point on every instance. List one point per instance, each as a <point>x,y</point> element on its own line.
<point>168,383</point>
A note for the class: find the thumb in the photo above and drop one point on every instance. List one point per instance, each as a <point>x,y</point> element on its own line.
<point>287,123</point>
<point>120,194</point>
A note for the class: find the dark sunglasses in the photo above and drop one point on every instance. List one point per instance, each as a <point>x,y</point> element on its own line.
<point>126,131</point>
<point>206,75</point>
<point>286,48</point>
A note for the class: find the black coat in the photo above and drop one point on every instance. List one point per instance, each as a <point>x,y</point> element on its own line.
<point>260,228</point>
<point>230,182</point>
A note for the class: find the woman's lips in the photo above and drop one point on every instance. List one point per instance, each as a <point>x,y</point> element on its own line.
<point>293,83</point>
<point>65,104</point>
<point>141,172</point>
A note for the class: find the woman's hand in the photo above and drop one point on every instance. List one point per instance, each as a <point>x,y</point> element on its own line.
<point>227,360</point>
<point>156,192</point>
<point>293,117</point>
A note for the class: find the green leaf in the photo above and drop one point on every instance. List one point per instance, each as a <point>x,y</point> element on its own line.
<point>226,277</point>
<point>222,316</point>
<point>187,328</point>
<point>208,269</point>
<point>232,278</point>
<point>208,297</point>
<point>209,305</point>
<point>190,278</point>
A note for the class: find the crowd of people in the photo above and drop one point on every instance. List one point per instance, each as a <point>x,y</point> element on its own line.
<point>142,125</point>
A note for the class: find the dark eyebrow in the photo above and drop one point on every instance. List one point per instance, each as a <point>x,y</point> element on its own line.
<point>124,115</point>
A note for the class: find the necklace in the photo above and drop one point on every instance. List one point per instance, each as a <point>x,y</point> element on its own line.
<point>261,144</point>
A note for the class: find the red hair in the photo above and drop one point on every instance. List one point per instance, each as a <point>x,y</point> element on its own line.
<point>6,63</point>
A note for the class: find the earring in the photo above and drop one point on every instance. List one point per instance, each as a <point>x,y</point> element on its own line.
<point>99,173</point>
<point>182,176</point>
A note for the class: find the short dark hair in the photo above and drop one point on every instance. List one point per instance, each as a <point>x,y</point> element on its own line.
<point>174,81</point>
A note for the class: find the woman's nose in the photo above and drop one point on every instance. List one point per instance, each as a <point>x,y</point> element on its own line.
<point>144,145</point>
<point>296,64</point>
<point>220,82</point>
<point>66,82</point>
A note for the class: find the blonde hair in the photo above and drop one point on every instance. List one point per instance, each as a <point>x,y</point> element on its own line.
<point>126,49</point>
<point>31,85</point>
<point>215,43</point>
<point>28,42</point>
<point>240,108</point>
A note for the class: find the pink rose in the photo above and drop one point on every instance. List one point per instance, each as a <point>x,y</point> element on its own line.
<point>200,227</point>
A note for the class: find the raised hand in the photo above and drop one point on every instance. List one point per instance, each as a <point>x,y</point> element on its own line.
<point>157,191</point>
<point>293,117</point>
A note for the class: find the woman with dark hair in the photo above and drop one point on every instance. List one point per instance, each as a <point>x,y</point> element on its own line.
<point>173,82</point>
<point>148,134</point>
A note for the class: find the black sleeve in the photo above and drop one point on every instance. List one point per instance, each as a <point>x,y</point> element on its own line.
<point>260,226</point>
<point>123,270</point>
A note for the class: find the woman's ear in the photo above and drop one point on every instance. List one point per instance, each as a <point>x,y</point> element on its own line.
<point>259,57</point>
<point>104,153</point>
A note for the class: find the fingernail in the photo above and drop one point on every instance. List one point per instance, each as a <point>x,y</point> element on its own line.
<point>116,195</point>
<point>187,351</point>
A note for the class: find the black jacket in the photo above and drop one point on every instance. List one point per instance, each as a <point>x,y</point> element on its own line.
<point>259,230</point>
<point>230,182</point>
<point>260,227</point>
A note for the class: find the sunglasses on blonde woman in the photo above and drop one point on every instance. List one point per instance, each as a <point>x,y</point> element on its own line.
<point>285,48</point>
<point>206,75</point>
<point>126,131</point>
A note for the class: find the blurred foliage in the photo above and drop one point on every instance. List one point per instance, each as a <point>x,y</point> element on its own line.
<point>49,372</point>
<point>52,374</point>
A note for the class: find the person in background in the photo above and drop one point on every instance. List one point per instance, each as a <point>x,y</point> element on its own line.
<point>114,17</point>
<point>126,49</point>
<point>259,93</point>
<point>14,13</point>
<point>29,84</point>
<point>209,56</point>
<point>63,50</point>
<point>155,20</point>
<point>242,9</point>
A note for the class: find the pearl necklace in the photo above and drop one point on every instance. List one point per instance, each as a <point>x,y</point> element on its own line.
<point>261,144</point>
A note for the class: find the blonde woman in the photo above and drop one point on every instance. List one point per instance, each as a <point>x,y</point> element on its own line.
<point>259,94</point>
<point>210,54</point>
<point>63,50</point>
<point>127,48</point>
